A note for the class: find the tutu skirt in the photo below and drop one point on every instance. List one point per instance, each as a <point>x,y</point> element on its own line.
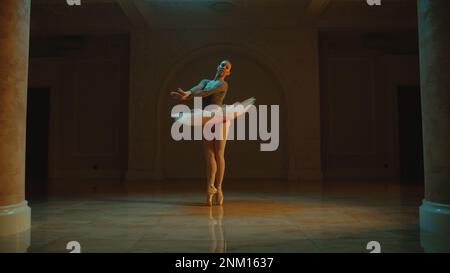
<point>199,117</point>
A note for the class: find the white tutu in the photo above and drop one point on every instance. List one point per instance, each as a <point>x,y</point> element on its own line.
<point>199,117</point>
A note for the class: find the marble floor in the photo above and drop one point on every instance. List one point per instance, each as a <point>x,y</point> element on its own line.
<point>270,216</point>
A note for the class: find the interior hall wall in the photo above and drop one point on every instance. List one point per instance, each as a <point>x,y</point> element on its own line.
<point>88,81</point>
<point>276,66</point>
<point>360,74</point>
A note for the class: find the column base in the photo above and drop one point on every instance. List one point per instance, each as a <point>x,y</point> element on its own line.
<point>435,227</point>
<point>15,218</point>
<point>16,243</point>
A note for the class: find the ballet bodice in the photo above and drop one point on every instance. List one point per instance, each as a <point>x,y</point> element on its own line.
<point>216,98</point>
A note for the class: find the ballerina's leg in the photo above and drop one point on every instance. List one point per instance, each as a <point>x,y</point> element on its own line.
<point>211,169</point>
<point>219,146</point>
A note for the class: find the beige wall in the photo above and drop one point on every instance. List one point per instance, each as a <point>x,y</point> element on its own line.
<point>267,64</point>
<point>276,59</point>
<point>360,74</point>
<point>88,80</point>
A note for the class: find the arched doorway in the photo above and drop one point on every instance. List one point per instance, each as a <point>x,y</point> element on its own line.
<point>251,76</point>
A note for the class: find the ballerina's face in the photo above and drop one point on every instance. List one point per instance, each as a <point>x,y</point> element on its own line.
<point>224,69</point>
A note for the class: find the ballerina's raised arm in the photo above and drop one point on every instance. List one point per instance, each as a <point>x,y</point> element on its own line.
<point>200,90</point>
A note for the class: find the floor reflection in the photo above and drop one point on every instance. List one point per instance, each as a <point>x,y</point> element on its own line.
<point>216,230</point>
<point>274,219</point>
<point>15,243</point>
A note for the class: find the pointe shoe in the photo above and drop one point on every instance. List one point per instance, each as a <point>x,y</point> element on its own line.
<point>219,197</point>
<point>211,191</point>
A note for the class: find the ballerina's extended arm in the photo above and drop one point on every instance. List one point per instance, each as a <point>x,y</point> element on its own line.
<point>182,95</point>
<point>199,91</point>
<point>222,87</point>
<point>199,86</point>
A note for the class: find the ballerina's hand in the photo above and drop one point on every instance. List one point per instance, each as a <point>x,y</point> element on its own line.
<point>175,96</point>
<point>182,92</point>
<point>184,95</point>
<point>180,96</point>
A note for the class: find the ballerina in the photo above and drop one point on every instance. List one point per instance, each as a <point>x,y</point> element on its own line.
<point>213,93</point>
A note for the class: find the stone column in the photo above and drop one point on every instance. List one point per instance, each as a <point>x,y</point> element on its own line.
<point>434,43</point>
<point>14,44</point>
